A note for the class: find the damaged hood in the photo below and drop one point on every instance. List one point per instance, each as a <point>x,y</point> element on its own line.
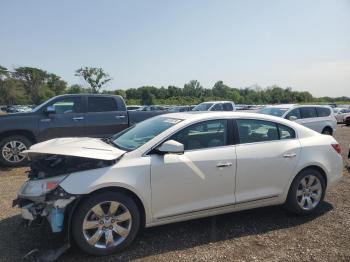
<point>79,147</point>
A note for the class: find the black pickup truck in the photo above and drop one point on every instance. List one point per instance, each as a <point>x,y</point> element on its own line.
<point>64,116</point>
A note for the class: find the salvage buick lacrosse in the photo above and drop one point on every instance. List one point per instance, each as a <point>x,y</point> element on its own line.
<point>172,168</point>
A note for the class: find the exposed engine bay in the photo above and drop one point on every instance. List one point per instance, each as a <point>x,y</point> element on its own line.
<point>41,196</point>
<point>44,166</point>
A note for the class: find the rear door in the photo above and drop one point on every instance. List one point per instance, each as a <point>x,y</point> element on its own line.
<point>309,118</point>
<point>104,116</point>
<point>267,154</point>
<point>68,121</point>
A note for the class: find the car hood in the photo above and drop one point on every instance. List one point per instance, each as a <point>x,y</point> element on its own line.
<point>80,147</point>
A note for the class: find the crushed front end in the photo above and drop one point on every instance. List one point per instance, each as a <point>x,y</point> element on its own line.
<point>41,195</point>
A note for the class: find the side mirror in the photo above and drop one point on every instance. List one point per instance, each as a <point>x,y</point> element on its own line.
<point>171,146</point>
<point>50,110</point>
<point>292,118</point>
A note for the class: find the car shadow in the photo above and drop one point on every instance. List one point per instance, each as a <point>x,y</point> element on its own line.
<point>16,240</point>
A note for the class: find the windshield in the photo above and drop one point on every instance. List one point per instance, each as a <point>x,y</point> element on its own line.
<point>273,111</point>
<point>202,107</point>
<point>141,133</point>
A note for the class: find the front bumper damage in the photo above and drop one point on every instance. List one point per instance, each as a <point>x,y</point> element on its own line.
<point>42,197</point>
<point>51,206</point>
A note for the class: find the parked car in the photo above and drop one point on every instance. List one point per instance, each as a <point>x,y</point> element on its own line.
<point>172,168</point>
<point>151,108</point>
<point>179,109</point>
<point>341,114</point>
<point>347,121</point>
<point>215,106</point>
<point>318,118</point>
<point>133,107</point>
<point>64,116</point>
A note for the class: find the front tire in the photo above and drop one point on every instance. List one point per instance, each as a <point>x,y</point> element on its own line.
<point>106,223</point>
<point>306,192</point>
<point>11,150</point>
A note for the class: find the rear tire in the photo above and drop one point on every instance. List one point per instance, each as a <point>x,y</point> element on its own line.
<point>306,192</point>
<point>105,223</point>
<point>327,131</point>
<point>10,148</point>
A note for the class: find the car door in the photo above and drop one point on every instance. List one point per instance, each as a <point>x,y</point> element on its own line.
<point>201,178</point>
<point>67,121</point>
<point>104,116</point>
<point>267,154</point>
<point>310,119</point>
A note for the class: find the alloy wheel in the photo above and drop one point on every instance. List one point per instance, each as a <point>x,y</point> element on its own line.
<point>107,224</point>
<point>309,192</point>
<point>12,151</point>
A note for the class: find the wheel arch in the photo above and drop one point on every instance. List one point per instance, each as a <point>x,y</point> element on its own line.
<point>314,166</point>
<point>329,128</point>
<point>19,132</point>
<point>128,192</point>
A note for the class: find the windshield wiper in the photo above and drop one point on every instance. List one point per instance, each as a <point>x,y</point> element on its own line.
<point>109,141</point>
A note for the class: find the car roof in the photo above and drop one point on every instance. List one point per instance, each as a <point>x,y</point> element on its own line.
<point>288,106</point>
<point>216,102</point>
<point>198,115</point>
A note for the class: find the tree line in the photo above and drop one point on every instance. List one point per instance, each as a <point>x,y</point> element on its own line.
<point>29,85</point>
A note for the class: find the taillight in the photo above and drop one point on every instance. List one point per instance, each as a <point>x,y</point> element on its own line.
<point>337,148</point>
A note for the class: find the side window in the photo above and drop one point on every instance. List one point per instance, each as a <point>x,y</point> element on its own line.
<point>228,107</point>
<point>295,112</point>
<point>202,135</point>
<point>102,104</point>
<point>308,112</point>
<point>217,107</point>
<point>251,130</point>
<point>286,132</point>
<point>323,111</point>
<point>67,105</point>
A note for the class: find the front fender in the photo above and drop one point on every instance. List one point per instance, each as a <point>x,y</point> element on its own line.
<point>135,178</point>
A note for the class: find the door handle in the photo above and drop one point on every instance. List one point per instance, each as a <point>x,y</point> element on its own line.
<point>119,117</point>
<point>78,118</point>
<point>289,155</point>
<point>221,165</point>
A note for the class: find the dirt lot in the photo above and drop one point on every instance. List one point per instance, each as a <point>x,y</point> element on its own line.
<point>266,234</point>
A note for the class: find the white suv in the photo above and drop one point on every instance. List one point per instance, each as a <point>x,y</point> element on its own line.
<point>319,118</point>
<point>215,106</point>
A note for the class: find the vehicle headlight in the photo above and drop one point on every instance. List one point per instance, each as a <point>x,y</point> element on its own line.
<point>41,186</point>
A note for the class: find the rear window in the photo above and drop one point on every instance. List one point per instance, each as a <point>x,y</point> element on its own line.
<point>308,112</point>
<point>323,111</point>
<point>228,107</point>
<point>252,131</point>
<point>102,104</point>
<point>286,132</point>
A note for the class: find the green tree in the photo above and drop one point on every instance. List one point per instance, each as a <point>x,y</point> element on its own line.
<point>146,97</point>
<point>95,77</point>
<point>193,89</point>
<point>56,84</point>
<point>33,80</point>
<point>221,90</point>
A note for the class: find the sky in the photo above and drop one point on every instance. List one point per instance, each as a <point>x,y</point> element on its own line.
<point>303,44</point>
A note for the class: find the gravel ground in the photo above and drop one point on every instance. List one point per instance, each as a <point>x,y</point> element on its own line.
<point>265,234</point>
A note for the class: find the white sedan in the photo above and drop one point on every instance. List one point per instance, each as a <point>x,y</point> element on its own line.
<point>172,168</point>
